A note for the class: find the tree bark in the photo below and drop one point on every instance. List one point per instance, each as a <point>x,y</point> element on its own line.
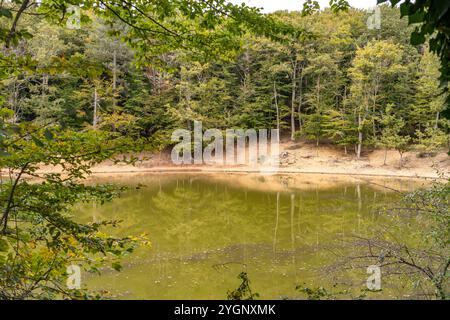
<point>94,120</point>
<point>12,31</point>
<point>360,137</point>
<point>300,101</point>
<point>114,77</point>
<point>275,94</point>
<point>9,204</point>
<point>294,88</point>
<point>437,120</point>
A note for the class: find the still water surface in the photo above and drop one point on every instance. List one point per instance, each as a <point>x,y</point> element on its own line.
<point>206,229</point>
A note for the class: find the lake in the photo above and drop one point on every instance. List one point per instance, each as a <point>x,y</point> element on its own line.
<point>207,228</point>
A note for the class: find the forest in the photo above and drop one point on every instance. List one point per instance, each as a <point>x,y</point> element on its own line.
<point>84,83</point>
<point>339,83</point>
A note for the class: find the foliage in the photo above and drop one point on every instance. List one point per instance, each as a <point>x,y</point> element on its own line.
<point>433,18</point>
<point>243,292</point>
<point>321,293</point>
<point>431,140</point>
<point>423,254</point>
<point>72,98</point>
<point>41,238</point>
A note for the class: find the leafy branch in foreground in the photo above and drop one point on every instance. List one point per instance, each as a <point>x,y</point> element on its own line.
<point>39,238</point>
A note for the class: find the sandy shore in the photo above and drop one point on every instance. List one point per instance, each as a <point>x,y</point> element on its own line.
<point>300,158</point>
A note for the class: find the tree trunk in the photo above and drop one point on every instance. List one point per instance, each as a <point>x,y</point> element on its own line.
<point>385,156</point>
<point>275,95</point>
<point>12,31</point>
<point>300,101</point>
<point>94,120</point>
<point>114,77</point>
<point>44,88</point>
<point>437,120</point>
<point>360,137</point>
<point>317,146</point>
<point>294,88</point>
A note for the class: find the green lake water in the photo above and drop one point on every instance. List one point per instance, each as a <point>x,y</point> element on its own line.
<point>206,229</point>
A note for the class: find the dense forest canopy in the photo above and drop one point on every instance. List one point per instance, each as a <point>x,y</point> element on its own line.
<point>326,77</point>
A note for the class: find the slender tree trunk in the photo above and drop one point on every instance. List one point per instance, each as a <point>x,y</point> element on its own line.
<point>275,95</point>
<point>437,120</point>
<point>318,110</point>
<point>360,137</point>
<point>94,120</point>
<point>13,101</point>
<point>317,145</point>
<point>114,78</point>
<point>44,89</point>
<point>300,101</point>
<point>12,31</point>
<point>374,107</point>
<point>294,88</point>
<point>385,156</point>
<point>9,204</point>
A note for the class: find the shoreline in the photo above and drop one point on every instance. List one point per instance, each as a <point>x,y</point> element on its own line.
<point>193,170</point>
<point>298,158</point>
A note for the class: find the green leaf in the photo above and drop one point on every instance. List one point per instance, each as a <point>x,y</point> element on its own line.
<point>405,9</point>
<point>6,13</point>
<point>417,38</point>
<point>117,266</point>
<point>4,245</point>
<point>48,135</point>
<point>417,17</point>
<point>38,142</point>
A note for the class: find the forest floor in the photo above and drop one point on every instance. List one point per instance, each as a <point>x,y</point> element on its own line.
<point>302,157</point>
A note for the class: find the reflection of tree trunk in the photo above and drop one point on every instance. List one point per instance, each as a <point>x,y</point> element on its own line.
<point>299,214</point>
<point>292,226</point>
<point>276,223</point>
<point>94,212</point>
<point>358,192</point>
